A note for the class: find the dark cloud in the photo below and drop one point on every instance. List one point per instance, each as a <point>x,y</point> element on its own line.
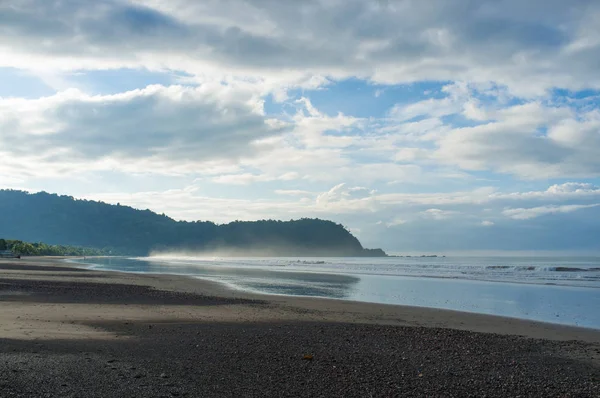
<point>503,41</point>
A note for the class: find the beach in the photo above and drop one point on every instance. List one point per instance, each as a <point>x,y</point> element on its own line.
<point>66,331</point>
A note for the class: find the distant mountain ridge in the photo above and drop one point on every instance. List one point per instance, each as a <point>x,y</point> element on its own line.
<point>63,220</point>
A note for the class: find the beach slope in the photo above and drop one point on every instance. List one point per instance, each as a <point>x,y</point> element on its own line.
<point>71,332</point>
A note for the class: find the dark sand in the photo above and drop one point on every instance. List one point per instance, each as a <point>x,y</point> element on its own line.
<point>66,332</point>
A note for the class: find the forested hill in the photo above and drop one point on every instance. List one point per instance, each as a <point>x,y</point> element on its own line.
<point>63,220</point>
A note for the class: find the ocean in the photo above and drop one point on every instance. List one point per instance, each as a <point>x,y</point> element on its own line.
<point>548,289</point>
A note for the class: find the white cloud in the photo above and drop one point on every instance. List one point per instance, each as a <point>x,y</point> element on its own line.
<point>530,140</point>
<point>487,198</point>
<point>436,108</point>
<point>487,223</point>
<point>410,154</point>
<point>573,187</point>
<point>293,192</point>
<point>247,178</point>
<point>337,193</point>
<point>320,148</point>
<point>527,214</point>
<point>476,196</point>
<point>438,214</point>
<point>150,127</point>
<point>513,143</point>
<point>565,191</point>
<point>395,222</point>
<point>311,126</point>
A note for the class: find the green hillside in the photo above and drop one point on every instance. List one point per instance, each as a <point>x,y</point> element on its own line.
<point>63,220</point>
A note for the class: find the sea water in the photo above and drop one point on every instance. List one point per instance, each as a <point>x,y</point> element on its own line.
<point>548,289</point>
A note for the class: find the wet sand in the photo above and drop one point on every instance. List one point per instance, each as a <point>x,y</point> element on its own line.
<point>71,332</point>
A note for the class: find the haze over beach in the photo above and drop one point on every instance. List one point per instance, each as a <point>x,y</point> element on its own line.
<point>313,198</point>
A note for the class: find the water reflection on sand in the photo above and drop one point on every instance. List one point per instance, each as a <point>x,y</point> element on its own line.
<point>566,302</point>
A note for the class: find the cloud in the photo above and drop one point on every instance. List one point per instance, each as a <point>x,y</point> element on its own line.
<point>293,192</point>
<point>410,154</point>
<point>386,41</point>
<point>247,178</point>
<point>157,124</point>
<point>527,214</point>
<point>487,223</point>
<point>315,144</point>
<point>530,141</point>
<point>573,188</point>
<point>481,127</point>
<point>437,214</point>
<point>565,191</point>
<point>395,222</point>
<point>475,196</point>
<point>342,192</point>
<point>433,107</point>
<point>485,197</point>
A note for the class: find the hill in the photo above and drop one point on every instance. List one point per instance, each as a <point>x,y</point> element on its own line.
<point>44,217</point>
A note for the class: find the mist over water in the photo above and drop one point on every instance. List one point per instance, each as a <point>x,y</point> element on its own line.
<point>558,290</point>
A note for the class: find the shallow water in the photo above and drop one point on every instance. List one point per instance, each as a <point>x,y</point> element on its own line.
<point>557,290</point>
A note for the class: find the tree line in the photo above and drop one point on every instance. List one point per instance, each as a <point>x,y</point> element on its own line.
<point>21,248</point>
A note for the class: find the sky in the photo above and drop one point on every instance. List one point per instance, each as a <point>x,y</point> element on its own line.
<point>419,125</point>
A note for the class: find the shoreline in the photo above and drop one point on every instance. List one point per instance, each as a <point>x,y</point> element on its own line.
<point>230,288</point>
<point>72,332</point>
<point>339,310</point>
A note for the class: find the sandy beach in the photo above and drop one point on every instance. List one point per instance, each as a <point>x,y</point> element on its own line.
<point>68,332</point>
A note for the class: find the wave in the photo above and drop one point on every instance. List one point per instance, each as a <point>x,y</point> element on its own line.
<point>573,269</point>
<point>513,267</point>
<point>542,269</point>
